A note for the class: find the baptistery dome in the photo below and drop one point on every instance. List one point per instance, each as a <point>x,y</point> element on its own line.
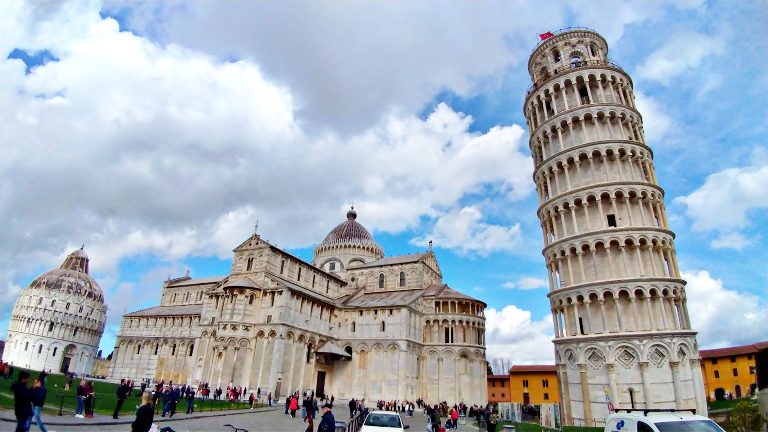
<point>347,245</point>
<point>72,278</point>
<point>58,320</point>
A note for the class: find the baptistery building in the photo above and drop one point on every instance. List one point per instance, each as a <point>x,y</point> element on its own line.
<point>58,320</point>
<point>623,338</point>
<point>352,323</point>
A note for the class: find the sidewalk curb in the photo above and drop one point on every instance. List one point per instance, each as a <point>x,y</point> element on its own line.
<point>157,419</point>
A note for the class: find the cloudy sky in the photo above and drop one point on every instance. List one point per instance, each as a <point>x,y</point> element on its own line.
<point>158,133</point>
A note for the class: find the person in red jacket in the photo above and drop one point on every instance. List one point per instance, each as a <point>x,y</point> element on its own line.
<point>294,405</point>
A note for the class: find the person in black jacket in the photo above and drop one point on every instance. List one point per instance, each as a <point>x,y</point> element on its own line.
<point>38,400</point>
<point>22,401</point>
<point>328,422</point>
<point>190,397</point>
<point>144,415</point>
<point>122,394</point>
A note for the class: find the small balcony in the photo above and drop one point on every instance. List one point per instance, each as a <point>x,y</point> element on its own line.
<point>562,70</point>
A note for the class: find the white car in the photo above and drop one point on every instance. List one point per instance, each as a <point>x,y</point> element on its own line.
<point>659,420</point>
<point>383,421</point>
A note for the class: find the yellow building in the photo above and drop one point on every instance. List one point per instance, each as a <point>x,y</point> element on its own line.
<point>730,372</point>
<point>498,389</point>
<point>534,384</point>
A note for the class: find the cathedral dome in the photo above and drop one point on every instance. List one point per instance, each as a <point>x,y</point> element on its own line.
<point>348,244</point>
<point>349,230</point>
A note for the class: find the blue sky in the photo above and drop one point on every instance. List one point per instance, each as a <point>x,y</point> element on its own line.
<point>158,133</point>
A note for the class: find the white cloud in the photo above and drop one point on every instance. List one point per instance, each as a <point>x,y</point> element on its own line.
<point>526,283</point>
<point>727,198</point>
<point>730,241</point>
<point>346,62</point>
<point>134,148</point>
<point>656,121</point>
<point>723,317</point>
<point>511,334</point>
<point>683,51</point>
<point>463,231</point>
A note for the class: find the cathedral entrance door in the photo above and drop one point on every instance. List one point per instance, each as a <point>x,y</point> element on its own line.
<point>320,388</point>
<point>66,358</point>
<point>65,364</point>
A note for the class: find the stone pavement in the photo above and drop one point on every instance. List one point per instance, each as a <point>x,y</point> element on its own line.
<point>258,420</point>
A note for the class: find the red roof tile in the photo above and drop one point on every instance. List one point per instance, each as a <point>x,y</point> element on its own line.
<point>532,368</point>
<point>732,351</point>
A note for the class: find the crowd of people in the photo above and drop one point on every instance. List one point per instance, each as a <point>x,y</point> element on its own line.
<point>309,409</point>
<point>30,400</point>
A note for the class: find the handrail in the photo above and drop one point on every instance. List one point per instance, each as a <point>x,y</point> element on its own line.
<point>561,31</point>
<point>565,69</point>
<point>355,423</point>
<point>61,402</point>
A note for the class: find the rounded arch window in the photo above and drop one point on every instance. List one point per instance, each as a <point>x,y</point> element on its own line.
<point>381,281</point>
<point>556,55</point>
<point>576,59</point>
<point>348,350</point>
<point>402,279</point>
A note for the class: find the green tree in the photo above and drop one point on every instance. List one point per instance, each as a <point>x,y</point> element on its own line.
<point>745,417</point>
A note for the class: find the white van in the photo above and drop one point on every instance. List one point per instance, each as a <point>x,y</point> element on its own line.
<point>659,420</point>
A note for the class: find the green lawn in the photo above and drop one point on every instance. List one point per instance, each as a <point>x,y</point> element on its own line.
<point>104,397</point>
<point>726,404</point>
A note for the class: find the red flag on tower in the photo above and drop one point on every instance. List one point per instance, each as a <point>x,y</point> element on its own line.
<point>547,35</point>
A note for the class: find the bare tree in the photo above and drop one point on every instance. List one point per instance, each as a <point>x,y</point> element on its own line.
<point>500,366</point>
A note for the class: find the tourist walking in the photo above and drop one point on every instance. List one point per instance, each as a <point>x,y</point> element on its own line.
<point>352,406</point>
<point>88,388</point>
<point>175,397</point>
<point>38,400</point>
<point>306,407</point>
<point>22,401</point>
<point>287,404</point>
<point>190,396</point>
<point>122,394</point>
<point>434,418</point>
<point>144,415</point>
<point>328,422</point>
<point>294,405</point>
<point>310,424</point>
<point>80,399</point>
<point>165,399</point>
<point>269,398</point>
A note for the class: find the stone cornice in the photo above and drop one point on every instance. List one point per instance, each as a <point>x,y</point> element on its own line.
<point>614,283</point>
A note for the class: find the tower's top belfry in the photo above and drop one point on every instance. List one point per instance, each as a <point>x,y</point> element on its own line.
<point>566,48</point>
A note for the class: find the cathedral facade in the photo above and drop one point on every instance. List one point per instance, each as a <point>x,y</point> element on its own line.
<point>352,323</point>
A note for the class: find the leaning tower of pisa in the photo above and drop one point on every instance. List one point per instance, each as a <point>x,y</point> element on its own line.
<point>622,334</point>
